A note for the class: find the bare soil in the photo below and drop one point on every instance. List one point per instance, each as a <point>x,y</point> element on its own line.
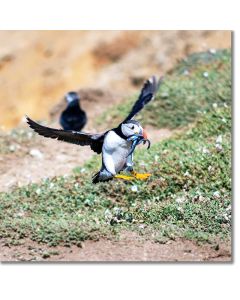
<point>129,248</point>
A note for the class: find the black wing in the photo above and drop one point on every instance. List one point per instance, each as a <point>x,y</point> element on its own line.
<point>148,92</point>
<point>95,141</point>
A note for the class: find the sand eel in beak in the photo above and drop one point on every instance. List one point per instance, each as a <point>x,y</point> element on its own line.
<point>116,145</point>
<point>136,140</point>
<point>73,117</point>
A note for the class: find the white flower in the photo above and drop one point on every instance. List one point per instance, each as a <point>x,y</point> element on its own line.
<point>141,226</point>
<point>226,217</point>
<point>107,215</point>
<point>12,148</point>
<point>219,139</point>
<point>36,153</point>
<point>224,120</point>
<point>29,134</point>
<point>51,185</point>
<point>134,188</point>
<point>180,200</point>
<point>205,150</point>
<point>187,174</point>
<point>205,74</point>
<point>219,147</point>
<point>20,214</point>
<point>228,208</point>
<point>215,105</point>
<point>212,51</point>
<point>186,72</point>
<point>216,194</point>
<point>38,191</point>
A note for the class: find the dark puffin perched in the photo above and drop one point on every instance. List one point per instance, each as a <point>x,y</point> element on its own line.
<point>73,117</point>
<point>117,144</point>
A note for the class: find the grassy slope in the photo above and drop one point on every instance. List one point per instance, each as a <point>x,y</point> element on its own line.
<point>185,92</point>
<point>188,195</point>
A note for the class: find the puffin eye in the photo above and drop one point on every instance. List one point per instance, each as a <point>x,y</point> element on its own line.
<point>132,127</point>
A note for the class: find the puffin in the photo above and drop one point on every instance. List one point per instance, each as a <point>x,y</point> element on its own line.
<point>115,145</point>
<point>73,117</point>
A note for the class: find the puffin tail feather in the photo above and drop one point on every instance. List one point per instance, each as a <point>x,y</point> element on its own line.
<point>96,178</point>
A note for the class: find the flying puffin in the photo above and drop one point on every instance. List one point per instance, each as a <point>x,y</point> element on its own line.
<point>73,117</point>
<point>116,145</point>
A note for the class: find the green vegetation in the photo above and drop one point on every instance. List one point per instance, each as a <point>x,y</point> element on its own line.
<point>188,194</point>
<point>16,140</point>
<point>197,83</point>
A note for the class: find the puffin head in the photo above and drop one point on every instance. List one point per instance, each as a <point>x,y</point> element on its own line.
<point>72,97</point>
<point>132,127</point>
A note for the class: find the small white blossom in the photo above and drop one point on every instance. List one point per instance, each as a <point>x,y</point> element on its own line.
<point>228,208</point>
<point>205,74</point>
<point>29,134</point>
<point>134,188</point>
<point>107,215</point>
<point>51,185</point>
<point>186,72</point>
<point>219,147</point>
<point>20,214</point>
<point>215,105</point>
<point>38,191</point>
<point>12,148</point>
<point>224,120</point>
<point>205,150</point>
<point>212,51</point>
<point>180,200</point>
<point>36,153</point>
<point>141,226</point>
<point>216,194</point>
<point>226,217</point>
<point>219,139</point>
<point>187,174</point>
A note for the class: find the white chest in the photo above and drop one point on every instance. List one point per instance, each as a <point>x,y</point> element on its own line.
<point>115,151</point>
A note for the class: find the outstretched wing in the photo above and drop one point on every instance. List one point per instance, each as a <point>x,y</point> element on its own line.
<point>95,141</point>
<point>148,92</point>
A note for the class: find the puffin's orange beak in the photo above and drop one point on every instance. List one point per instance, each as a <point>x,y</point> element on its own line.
<point>144,134</point>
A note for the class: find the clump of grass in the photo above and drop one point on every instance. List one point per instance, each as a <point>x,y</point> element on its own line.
<point>188,194</point>
<point>198,82</point>
<point>15,140</point>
